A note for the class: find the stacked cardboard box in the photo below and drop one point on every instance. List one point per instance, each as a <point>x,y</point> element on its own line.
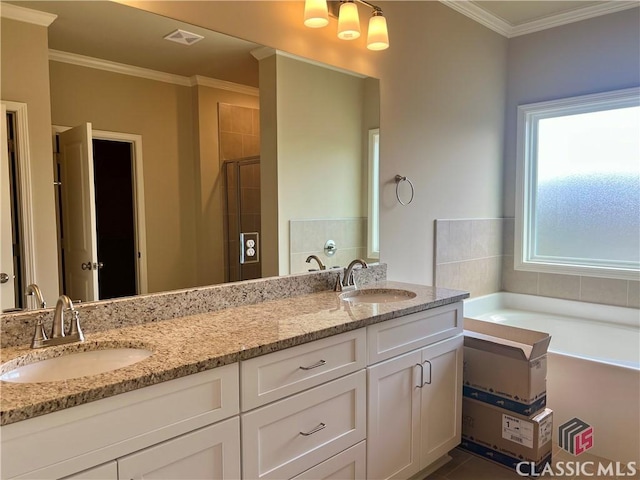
<point>504,414</point>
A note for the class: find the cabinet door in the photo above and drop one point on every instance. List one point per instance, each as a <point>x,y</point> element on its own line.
<point>212,452</point>
<point>393,423</point>
<point>107,471</point>
<point>441,408</point>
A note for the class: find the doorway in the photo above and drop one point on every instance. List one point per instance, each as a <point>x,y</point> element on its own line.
<point>114,264</point>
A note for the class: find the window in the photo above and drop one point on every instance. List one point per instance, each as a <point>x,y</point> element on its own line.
<point>578,186</point>
<point>373,244</point>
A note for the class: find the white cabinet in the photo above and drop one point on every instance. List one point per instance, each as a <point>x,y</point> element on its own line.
<point>212,452</point>
<point>414,409</point>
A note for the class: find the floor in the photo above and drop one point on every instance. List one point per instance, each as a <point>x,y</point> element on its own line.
<point>466,466</point>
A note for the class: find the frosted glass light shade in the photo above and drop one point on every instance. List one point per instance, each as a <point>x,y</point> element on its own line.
<point>348,21</point>
<point>378,35</point>
<point>316,14</point>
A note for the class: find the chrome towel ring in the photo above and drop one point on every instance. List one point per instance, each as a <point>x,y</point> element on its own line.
<point>399,180</point>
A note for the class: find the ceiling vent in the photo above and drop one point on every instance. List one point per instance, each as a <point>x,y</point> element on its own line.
<point>183,37</point>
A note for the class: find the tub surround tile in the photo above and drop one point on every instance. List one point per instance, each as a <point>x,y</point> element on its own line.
<point>196,342</point>
<point>17,328</point>
<point>633,296</point>
<point>604,290</point>
<point>468,254</point>
<point>518,281</point>
<point>559,286</point>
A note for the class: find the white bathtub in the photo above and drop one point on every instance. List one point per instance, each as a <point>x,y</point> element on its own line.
<point>593,369</point>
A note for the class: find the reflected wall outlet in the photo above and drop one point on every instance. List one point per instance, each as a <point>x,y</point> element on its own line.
<point>249,252</point>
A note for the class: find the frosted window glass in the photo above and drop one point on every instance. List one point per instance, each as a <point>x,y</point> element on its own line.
<point>586,201</point>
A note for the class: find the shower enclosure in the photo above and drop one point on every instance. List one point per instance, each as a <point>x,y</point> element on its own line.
<point>242,219</point>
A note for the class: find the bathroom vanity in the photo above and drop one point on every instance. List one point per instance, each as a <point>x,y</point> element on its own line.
<point>312,386</point>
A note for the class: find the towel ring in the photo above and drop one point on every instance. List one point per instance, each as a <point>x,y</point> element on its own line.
<point>399,180</point>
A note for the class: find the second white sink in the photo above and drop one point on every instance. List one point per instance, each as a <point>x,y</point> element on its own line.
<point>377,295</point>
<point>75,365</point>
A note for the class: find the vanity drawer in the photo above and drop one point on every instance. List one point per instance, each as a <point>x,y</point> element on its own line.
<point>277,375</point>
<point>401,335</point>
<point>348,465</point>
<point>288,437</point>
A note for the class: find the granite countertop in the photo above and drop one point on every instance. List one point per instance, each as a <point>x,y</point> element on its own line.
<point>186,345</point>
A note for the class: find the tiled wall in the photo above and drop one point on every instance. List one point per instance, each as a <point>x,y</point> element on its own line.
<point>477,255</point>
<point>468,255</point>
<point>607,291</point>
<point>307,237</point>
<point>239,131</point>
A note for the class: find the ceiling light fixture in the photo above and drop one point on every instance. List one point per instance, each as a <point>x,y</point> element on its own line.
<point>316,14</point>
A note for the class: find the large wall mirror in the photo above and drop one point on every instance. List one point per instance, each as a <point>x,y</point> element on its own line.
<point>186,157</point>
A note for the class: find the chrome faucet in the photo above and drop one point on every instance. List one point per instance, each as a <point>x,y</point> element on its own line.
<point>34,290</point>
<point>347,282</point>
<point>58,335</point>
<point>314,257</point>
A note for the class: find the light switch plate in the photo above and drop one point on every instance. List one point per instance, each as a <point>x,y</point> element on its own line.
<point>250,250</point>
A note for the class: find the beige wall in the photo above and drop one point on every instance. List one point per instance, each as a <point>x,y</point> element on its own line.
<point>586,57</point>
<point>442,85</point>
<point>25,78</point>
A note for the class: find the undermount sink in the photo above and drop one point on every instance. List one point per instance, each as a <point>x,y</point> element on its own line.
<point>75,365</point>
<point>377,295</point>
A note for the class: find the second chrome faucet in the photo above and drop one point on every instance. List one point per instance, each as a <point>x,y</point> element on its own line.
<point>347,282</point>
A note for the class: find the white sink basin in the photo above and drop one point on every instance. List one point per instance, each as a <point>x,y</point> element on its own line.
<point>377,295</point>
<point>74,365</point>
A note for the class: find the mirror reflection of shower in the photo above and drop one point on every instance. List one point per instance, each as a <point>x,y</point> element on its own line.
<point>242,219</point>
<point>239,143</point>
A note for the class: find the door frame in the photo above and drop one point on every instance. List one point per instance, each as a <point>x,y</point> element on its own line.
<point>138,197</point>
<point>23,157</point>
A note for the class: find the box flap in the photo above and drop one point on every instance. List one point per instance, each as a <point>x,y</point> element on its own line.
<point>506,340</point>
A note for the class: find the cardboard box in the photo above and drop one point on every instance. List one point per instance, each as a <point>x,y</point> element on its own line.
<point>505,366</point>
<point>507,438</point>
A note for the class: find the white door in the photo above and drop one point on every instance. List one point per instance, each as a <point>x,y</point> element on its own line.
<point>7,288</point>
<point>441,409</point>
<point>79,214</point>
<point>209,453</point>
<point>393,423</point>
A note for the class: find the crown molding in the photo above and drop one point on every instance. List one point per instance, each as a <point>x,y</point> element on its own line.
<point>114,67</point>
<point>480,15</point>
<point>27,15</point>
<point>265,52</point>
<point>506,29</point>
<point>224,85</point>
<point>571,17</point>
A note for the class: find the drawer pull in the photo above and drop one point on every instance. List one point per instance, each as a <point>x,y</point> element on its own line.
<point>317,429</point>
<point>315,365</point>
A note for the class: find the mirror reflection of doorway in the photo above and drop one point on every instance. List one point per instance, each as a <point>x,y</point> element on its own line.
<point>98,216</point>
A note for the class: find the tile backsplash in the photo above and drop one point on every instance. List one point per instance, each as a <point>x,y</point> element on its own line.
<point>477,255</point>
<point>308,237</point>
